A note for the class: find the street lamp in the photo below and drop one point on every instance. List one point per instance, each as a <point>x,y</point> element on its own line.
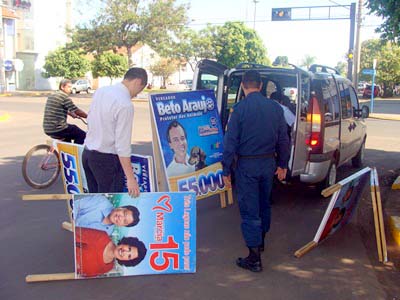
<point>255,10</point>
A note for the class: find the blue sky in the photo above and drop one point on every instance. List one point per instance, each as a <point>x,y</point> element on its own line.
<point>328,41</point>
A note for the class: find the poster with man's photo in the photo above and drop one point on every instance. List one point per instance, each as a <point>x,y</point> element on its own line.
<point>117,235</point>
<point>343,204</point>
<point>190,139</point>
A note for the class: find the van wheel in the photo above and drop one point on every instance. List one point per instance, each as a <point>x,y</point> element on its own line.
<point>357,161</point>
<point>330,178</point>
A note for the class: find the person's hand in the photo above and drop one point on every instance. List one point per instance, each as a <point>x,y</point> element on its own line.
<point>133,188</point>
<point>227,181</point>
<point>281,173</point>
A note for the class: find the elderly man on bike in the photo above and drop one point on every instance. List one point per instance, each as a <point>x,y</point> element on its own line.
<point>58,106</point>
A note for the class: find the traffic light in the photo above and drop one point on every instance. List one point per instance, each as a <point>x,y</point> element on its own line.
<point>281,14</point>
<point>350,55</point>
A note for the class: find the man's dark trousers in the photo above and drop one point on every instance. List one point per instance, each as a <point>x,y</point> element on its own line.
<point>72,132</point>
<point>104,173</point>
<point>254,179</point>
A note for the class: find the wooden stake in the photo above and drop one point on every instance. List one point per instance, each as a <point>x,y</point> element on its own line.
<point>49,277</point>
<point>222,199</point>
<point>47,197</point>
<point>380,215</point>
<point>230,197</point>
<point>330,190</point>
<point>305,249</point>
<point>376,218</point>
<point>67,226</point>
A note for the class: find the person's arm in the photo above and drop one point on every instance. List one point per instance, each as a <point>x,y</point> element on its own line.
<point>131,183</point>
<point>231,141</point>
<point>80,113</point>
<point>282,147</point>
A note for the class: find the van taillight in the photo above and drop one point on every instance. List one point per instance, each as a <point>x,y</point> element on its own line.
<point>314,118</point>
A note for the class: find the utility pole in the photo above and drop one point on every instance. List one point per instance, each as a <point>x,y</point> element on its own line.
<point>357,53</point>
<point>351,43</point>
<point>255,11</point>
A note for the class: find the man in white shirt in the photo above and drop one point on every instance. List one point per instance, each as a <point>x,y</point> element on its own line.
<point>177,139</point>
<point>106,158</point>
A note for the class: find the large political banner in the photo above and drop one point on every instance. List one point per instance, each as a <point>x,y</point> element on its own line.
<point>116,235</point>
<point>190,139</point>
<point>342,205</point>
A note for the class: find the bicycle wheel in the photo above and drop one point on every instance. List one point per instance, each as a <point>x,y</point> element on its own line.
<point>41,166</point>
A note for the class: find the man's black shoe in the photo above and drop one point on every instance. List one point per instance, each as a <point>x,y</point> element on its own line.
<point>251,262</point>
<point>245,263</point>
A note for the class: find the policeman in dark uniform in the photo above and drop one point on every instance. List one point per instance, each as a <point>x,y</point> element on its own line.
<point>257,136</point>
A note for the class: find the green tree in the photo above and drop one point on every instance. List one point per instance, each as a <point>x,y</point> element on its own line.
<point>388,63</point>
<point>389,10</point>
<point>191,47</point>
<point>126,23</point>
<point>341,66</point>
<point>67,63</point>
<point>307,61</point>
<point>281,61</point>
<point>164,68</point>
<point>234,43</point>
<point>109,65</point>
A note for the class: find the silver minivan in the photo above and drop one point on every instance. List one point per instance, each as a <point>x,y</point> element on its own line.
<point>329,129</point>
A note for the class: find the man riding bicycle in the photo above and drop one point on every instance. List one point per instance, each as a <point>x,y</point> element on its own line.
<point>58,106</point>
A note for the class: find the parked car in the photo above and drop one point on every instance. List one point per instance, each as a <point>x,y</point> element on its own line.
<point>79,85</point>
<point>360,88</point>
<point>377,91</point>
<point>329,129</point>
<point>187,83</point>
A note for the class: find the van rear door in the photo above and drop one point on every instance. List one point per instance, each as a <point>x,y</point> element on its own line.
<point>209,75</point>
<point>302,126</point>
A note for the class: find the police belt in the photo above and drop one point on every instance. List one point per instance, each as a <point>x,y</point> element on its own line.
<point>269,155</point>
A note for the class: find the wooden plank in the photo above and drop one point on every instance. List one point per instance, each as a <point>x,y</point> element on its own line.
<point>222,199</point>
<point>67,226</point>
<point>46,197</point>
<point>49,277</point>
<point>305,249</point>
<point>376,218</point>
<point>330,190</point>
<point>230,197</point>
<point>380,217</point>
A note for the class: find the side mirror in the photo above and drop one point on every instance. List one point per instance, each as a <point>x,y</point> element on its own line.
<point>364,111</point>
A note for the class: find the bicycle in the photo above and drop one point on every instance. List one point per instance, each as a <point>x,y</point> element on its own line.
<point>41,165</point>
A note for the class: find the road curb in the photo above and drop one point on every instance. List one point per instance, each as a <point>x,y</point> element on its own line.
<point>384,117</point>
<point>394,224</point>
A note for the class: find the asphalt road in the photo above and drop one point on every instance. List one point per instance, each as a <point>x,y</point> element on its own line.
<point>33,242</point>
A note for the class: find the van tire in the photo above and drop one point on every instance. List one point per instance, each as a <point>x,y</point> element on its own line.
<point>358,160</point>
<point>330,178</point>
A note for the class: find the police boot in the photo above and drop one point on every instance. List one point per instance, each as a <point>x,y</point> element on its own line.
<point>252,262</point>
<point>262,246</point>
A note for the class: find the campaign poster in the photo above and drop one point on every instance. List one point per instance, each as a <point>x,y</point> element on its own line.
<point>190,139</point>
<point>142,166</point>
<point>343,204</point>
<point>117,235</point>
<point>72,172</point>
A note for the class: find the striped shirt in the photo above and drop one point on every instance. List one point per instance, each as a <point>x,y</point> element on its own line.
<point>55,112</point>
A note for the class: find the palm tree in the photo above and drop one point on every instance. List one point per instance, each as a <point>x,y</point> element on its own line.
<point>308,60</point>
